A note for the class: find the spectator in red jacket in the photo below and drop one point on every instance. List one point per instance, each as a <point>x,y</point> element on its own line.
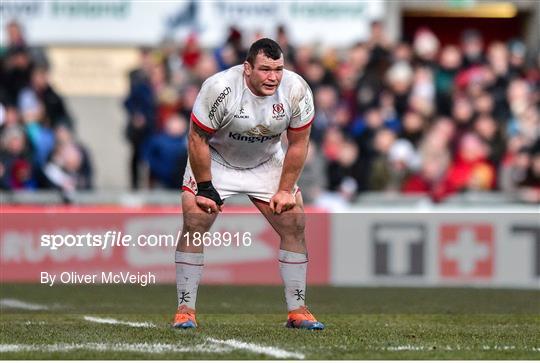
<point>470,169</point>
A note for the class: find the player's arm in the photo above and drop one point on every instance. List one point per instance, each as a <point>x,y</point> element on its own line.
<point>294,158</point>
<point>298,137</point>
<point>207,198</point>
<point>208,112</point>
<point>293,164</point>
<point>199,153</point>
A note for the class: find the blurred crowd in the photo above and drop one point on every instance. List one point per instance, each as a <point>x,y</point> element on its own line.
<point>38,145</point>
<point>412,117</point>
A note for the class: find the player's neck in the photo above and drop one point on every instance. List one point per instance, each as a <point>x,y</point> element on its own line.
<point>250,87</point>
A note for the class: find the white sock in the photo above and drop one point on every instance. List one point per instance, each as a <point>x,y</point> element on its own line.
<point>293,268</point>
<point>189,267</point>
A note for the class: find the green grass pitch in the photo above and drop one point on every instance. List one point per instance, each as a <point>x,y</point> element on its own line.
<point>248,323</point>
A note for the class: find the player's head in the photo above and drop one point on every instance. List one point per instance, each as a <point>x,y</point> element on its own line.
<point>264,67</point>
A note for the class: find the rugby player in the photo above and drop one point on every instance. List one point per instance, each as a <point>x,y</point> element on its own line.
<point>235,147</point>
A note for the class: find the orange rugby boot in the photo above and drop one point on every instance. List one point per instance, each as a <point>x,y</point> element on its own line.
<point>184,318</point>
<point>301,318</point>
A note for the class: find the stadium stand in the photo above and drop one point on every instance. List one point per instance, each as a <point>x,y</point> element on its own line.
<point>394,119</point>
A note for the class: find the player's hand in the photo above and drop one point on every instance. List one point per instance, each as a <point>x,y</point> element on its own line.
<point>282,201</point>
<point>207,205</point>
<point>208,199</point>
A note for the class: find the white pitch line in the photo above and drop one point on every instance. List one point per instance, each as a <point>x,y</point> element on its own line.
<point>232,343</point>
<point>260,349</point>
<point>404,348</point>
<point>114,347</point>
<point>135,324</point>
<point>18,304</point>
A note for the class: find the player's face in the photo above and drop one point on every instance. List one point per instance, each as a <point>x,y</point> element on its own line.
<point>265,75</point>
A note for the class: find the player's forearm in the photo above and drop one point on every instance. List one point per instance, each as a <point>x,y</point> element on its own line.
<point>293,165</point>
<point>199,157</point>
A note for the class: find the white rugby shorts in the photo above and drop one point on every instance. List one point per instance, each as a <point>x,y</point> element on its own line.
<point>260,182</point>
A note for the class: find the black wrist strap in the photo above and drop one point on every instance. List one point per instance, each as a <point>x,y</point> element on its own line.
<point>206,185</point>
<point>207,190</point>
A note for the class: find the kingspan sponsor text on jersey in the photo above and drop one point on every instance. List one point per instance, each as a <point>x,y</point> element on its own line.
<point>251,139</point>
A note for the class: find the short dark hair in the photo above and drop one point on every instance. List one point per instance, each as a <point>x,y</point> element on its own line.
<point>269,47</point>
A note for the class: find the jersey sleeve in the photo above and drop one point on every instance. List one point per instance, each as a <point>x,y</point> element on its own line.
<point>303,109</point>
<point>211,105</point>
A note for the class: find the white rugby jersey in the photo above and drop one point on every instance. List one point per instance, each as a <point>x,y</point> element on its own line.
<point>245,128</point>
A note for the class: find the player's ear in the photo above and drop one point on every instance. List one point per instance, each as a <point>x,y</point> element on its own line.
<point>247,68</point>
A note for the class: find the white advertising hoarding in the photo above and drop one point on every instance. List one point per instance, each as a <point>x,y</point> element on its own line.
<point>130,22</point>
<point>436,249</point>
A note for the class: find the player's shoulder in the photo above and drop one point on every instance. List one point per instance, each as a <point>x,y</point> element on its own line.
<point>293,79</point>
<point>224,82</point>
<point>295,86</point>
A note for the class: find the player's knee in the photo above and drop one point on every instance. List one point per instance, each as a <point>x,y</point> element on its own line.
<point>195,220</point>
<point>197,223</point>
<point>293,226</point>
